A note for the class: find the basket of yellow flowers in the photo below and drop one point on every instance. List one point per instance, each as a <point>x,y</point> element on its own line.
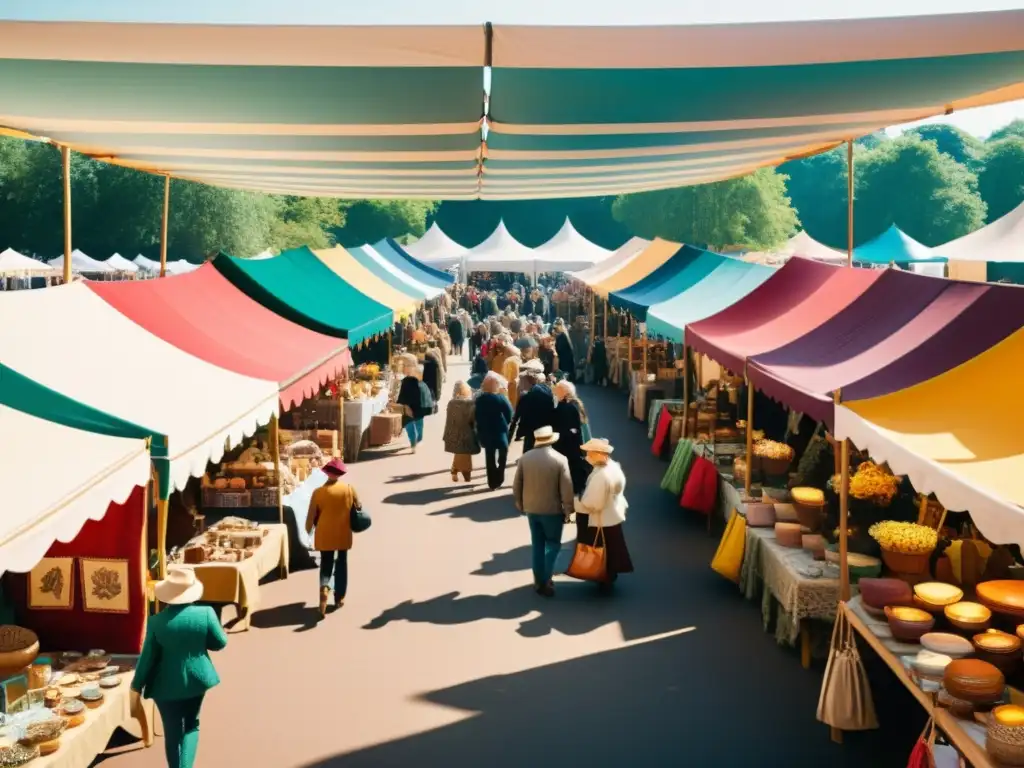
<point>906,547</point>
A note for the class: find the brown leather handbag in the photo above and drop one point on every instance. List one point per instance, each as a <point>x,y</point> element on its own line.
<point>590,562</point>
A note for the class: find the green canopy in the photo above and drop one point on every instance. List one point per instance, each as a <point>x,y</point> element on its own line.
<point>300,287</point>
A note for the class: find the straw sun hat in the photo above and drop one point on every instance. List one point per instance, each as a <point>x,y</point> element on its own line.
<point>544,436</point>
<point>179,588</point>
<point>597,445</point>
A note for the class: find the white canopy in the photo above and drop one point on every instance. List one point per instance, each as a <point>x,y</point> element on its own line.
<point>619,258</point>
<point>800,244</point>
<point>420,289</point>
<point>12,262</point>
<point>131,374</point>
<point>147,265</point>
<point>121,264</point>
<point>266,254</point>
<point>82,263</point>
<point>436,249</point>
<point>567,251</point>
<point>500,252</point>
<point>177,267</point>
<point>44,505</point>
<point>1002,240</point>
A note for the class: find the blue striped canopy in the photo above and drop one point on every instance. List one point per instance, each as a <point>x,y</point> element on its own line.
<point>674,276</point>
<point>365,255</point>
<point>394,253</point>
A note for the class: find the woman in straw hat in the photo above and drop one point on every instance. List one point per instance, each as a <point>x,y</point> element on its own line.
<point>602,508</point>
<point>175,669</point>
<point>330,512</point>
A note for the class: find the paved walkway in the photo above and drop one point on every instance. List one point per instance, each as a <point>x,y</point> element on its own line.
<point>444,656</point>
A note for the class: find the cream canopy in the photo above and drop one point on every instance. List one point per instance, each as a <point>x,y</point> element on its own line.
<point>568,250</point>
<point>636,269</point>
<point>436,249</point>
<point>343,264</point>
<point>500,252</point>
<point>622,255</point>
<point>82,263</point>
<point>14,263</point>
<point>43,504</point>
<point>800,244</point>
<point>1002,240</point>
<point>120,263</point>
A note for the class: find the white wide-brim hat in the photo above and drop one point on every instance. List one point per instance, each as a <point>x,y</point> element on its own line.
<point>179,588</point>
<point>532,366</point>
<point>544,436</point>
<point>597,445</point>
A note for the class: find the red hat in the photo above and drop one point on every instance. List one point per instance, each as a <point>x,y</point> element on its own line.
<point>335,468</point>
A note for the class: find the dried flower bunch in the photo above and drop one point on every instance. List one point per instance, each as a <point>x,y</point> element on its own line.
<point>770,449</point>
<point>908,538</point>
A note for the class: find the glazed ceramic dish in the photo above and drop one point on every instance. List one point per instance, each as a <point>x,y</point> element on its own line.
<point>879,593</point>
<point>974,680</point>
<point>935,594</point>
<point>789,534</point>
<point>970,617</point>
<point>1000,649</point>
<point>954,646</point>
<point>1006,596</point>
<point>1005,737</point>
<point>860,566</point>
<point>931,665</point>
<point>111,681</point>
<point>908,624</point>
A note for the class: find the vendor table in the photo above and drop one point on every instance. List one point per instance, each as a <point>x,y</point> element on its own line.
<point>239,583</point>
<point>80,746</point>
<point>358,415</point>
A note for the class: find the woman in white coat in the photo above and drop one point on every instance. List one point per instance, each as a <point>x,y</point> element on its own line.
<point>602,506</point>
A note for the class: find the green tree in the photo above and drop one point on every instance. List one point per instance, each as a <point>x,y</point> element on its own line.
<point>752,211</point>
<point>1012,128</point>
<point>817,188</point>
<point>305,221</point>
<point>1001,179</point>
<point>367,221</point>
<point>952,141</point>
<point>909,183</point>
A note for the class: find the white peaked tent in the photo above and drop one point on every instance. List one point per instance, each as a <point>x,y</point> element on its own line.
<point>1002,240</point>
<point>568,251</point>
<point>83,264</point>
<point>121,264</point>
<point>181,266</point>
<point>14,263</point>
<point>800,244</point>
<point>178,267</point>
<point>44,506</point>
<point>619,258</point>
<point>500,252</point>
<point>436,249</point>
<point>147,265</point>
<point>267,254</point>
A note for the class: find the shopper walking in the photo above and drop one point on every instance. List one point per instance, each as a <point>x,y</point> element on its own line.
<point>570,423</point>
<point>417,403</point>
<point>460,431</point>
<point>493,420</point>
<point>536,408</point>
<point>542,489</point>
<point>456,334</point>
<point>478,371</point>
<point>175,669</point>
<point>601,510</point>
<point>330,513</point>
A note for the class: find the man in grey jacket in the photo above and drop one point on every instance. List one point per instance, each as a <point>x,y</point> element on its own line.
<point>543,492</point>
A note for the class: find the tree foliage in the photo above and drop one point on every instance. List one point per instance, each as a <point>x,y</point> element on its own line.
<point>1001,180</point>
<point>367,221</point>
<point>952,141</point>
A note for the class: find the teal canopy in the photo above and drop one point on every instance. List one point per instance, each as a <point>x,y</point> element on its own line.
<point>398,256</point>
<point>895,246</point>
<point>725,281</point>
<point>689,265</point>
<point>300,287</point>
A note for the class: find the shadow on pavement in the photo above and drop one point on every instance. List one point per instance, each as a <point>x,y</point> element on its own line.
<point>298,615</point>
<point>517,559</point>
<point>433,495</point>
<point>486,507</point>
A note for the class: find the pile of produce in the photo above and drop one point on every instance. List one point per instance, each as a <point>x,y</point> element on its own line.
<point>907,538</point>
<point>770,449</point>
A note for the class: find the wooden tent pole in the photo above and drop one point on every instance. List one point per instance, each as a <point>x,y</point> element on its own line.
<point>163,226</point>
<point>844,513</point>
<point>686,388</point>
<point>65,167</point>
<point>604,314</point>
<point>161,534</point>
<point>275,451</point>
<point>593,326</point>
<point>643,342</point>
<point>750,436</point>
<point>849,203</point>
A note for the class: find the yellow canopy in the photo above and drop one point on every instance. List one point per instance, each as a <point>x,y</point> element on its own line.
<point>937,433</point>
<point>653,256</point>
<point>344,264</point>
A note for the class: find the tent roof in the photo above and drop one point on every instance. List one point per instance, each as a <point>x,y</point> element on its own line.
<point>175,267</point>
<point>120,369</point>
<point>726,282</point>
<point>634,270</point>
<point>621,256</point>
<point>297,285</point>
<point>800,244</point>
<point>368,256</point>
<point>42,505</point>
<point>82,263</point>
<point>568,250</point>
<point>686,267</point>
<point>203,314</point>
<point>13,262</point>
<point>1002,240</point>
<point>121,264</point>
<point>436,248</point>
<point>894,245</point>
<point>347,267</point>
<point>394,253</point>
<point>969,463</point>
<point>500,252</point>
<point>801,295</point>
<point>903,329</point>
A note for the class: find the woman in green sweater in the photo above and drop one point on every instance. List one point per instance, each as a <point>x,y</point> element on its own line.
<point>175,669</point>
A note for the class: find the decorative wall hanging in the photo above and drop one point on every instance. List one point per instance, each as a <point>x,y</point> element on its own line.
<point>50,584</point>
<point>105,585</point>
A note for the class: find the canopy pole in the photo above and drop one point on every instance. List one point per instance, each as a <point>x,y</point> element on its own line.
<point>604,314</point>
<point>65,169</point>
<point>593,326</point>
<point>390,353</point>
<point>643,343</point>
<point>275,451</point>
<point>163,226</point>
<point>849,204</point>
<point>750,435</point>
<point>630,343</point>
<point>161,535</point>
<point>686,388</point>
<point>844,507</point>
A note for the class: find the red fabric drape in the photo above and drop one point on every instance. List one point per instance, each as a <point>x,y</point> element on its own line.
<point>117,535</point>
<point>701,490</point>
<point>661,433</point>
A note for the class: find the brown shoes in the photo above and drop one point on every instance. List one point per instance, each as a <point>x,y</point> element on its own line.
<point>325,593</point>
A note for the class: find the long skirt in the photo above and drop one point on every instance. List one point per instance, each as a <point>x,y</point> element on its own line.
<point>462,463</point>
<point>617,557</point>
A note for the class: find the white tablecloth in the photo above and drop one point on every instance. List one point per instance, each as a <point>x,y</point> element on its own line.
<point>359,413</point>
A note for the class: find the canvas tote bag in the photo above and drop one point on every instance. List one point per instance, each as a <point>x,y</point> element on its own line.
<point>845,702</point>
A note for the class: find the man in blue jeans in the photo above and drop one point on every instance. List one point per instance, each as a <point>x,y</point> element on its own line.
<point>543,492</point>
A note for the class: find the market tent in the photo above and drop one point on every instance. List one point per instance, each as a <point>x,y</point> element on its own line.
<point>903,329</point>
<point>177,267</point>
<point>800,244</point>
<point>41,505</point>
<point>190,407</point>
<point>267,254</point>
<point>80,263</point>
<point>436,249</point>
<point>622,255</point>
<point>686,267</point>
<point>182,266</point>
<point>297,285</point>
<point>14,263</point>
<point>801,295</point>
<point>969,462</point>
<point>500,252</point>
<point>568,251</point>
<point>723,285</point>
<point>1000,241</point>
<point>394,253</point>
<point>347,267</point>
<point>389,273</point>
<point>147,265</point>
<point>121,264</point>
<point>205,315</point>
<point>894,246</point>
<point>636,269</point>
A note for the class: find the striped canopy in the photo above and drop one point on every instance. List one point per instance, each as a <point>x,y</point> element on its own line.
<point>402,281</point>
<point>395,254</point>
<point>343,264</point>
<point>341,104</point>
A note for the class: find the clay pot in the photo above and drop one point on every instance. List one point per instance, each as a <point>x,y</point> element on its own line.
<point>908,624</point>
<point>1005,737</point>
<point>16,659</point>
<point>774,467</point>
<point>969,617</point>
<point>761,515</point>
<point>974,680</point>
<point>934,596</point>
<point>1006,596</point>
<point>789,535</point>
<point>1000,649</point>
<point>879,593</point>
<point>903,562</point>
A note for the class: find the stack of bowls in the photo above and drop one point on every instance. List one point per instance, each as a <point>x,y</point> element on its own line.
<point>810,507</point>
<point>908,624</point>
<point>954,646</point>
<point>877,594</point>
<point>1005,738</point>
<point>974,681</point>
<point>789,535</point>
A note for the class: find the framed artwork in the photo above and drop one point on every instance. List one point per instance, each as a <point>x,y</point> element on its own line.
<point>50,585</point>
<point>104,585</point>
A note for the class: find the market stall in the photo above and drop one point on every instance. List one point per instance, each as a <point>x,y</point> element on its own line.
<point>894,246</point>
<point>436,249</point>
<point>568,251</point>
<point>801,244</point>
<point>18,270</point>
<point>499,252</point>
<point>343,264</point>
<point>402,281</point>
<point>397,256</point>
<point>994,252</point>
<point>82,264</point>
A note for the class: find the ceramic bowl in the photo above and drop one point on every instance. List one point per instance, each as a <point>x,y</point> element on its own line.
<point>879,593</point>
<point>789,535</point>
<point>930,665</point>
<point>22,648</point>
<point>948,644</point>
<point>110,682</point>
<point>974,680</point>
<point>815,544</point>
<point>761,515</point>
<point>970,617</point>
<point>934,596</point>
<point>908,624</point>
<point>1000,649</point>
<point>1004,739</point>
<point>1005,596</point>
<point>860,566</point>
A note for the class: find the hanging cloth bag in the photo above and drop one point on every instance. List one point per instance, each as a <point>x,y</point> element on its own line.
<point>845,701</point>
<point>728,560</point>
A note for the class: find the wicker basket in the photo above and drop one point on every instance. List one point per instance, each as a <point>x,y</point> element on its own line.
<point>216,498</point>
<point>774,467</point>
<point>903,562</point>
